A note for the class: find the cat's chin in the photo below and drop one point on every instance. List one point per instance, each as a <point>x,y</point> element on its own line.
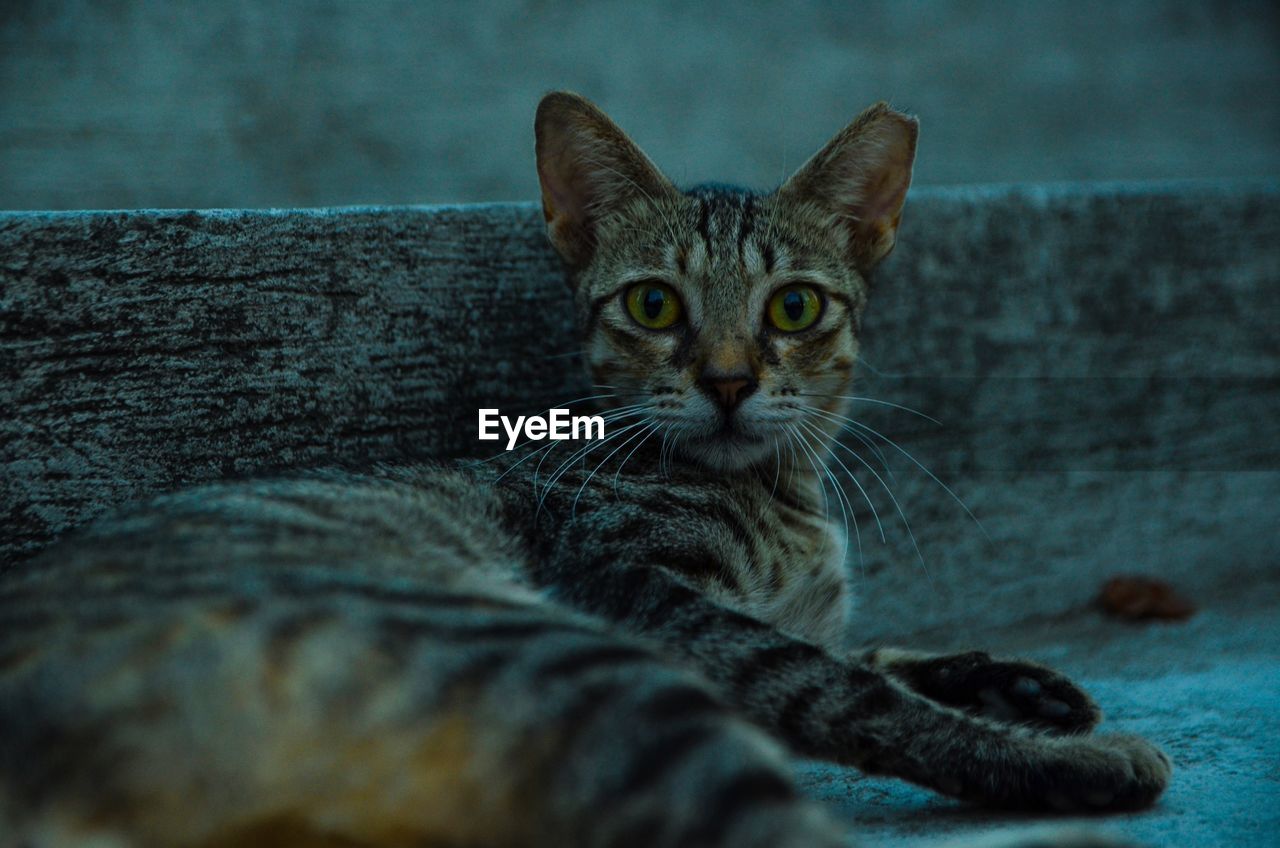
<point>732,452</point>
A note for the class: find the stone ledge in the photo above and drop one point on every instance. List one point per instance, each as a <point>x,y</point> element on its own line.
<point>1103,358</point>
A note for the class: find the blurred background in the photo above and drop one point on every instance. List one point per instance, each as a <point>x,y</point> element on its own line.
<point>246,103</point>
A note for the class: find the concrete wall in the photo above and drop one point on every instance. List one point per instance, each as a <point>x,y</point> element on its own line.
<point>240,103</point>
<point>1104,363</point>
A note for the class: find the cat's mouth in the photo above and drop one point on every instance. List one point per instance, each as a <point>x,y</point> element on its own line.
<point>732,443</point>
<point>731,430</point>
<point>736,438</point>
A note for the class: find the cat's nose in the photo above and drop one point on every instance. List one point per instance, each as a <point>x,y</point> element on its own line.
<point>728,391</point>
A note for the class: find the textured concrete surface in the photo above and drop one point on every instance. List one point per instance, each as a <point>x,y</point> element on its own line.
<point>1103,360</point>
<point>149,103</point>
<point>1208,691</point>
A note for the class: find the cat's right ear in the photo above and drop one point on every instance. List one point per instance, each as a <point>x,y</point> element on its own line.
<point>587,167</point>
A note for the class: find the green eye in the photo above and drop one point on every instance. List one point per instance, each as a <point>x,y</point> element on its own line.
<point>653,305</point>
<point>794,308</point>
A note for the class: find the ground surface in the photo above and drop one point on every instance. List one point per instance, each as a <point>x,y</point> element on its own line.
<point>1207,691</point>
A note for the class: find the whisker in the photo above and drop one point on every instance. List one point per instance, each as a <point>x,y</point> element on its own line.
<point>864,363</point>
<point>613,415</point>
<point>791,466</point>
<point>674,432</point>
<point>932,476</point>
<point>845,508</point>
<point>843,421</point>
<point>649,431</point>
<point>573,511</point>
<point>777,469</point>
<point>677,431</point>
<point>610,416</point>
<point>865,497</point>
<point>544,450</point>
<point>582,453</point>
<point>826,502</point>
<point>563,467</point>
<point>897,506</point>
<point>862,399</point>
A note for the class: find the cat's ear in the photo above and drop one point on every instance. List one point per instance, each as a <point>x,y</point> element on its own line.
<point>860,178</point>
<point>587,167</point>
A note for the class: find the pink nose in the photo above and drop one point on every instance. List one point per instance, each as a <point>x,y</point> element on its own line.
<point>729,391</point>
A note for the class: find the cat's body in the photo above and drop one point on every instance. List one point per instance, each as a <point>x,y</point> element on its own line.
<point>542,649</point>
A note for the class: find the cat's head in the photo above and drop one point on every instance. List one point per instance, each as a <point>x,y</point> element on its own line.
<point>725,317</point>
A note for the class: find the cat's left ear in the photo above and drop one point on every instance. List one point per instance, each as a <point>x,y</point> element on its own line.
<point>860,179</point>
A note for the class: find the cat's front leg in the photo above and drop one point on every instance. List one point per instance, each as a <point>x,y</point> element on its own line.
<point>1009,690</point>
<point>853,713</point>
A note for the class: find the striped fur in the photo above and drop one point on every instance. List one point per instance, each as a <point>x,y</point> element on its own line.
<point>613,644</point>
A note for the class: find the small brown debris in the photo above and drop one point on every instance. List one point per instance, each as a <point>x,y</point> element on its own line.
<point>1139,598</point>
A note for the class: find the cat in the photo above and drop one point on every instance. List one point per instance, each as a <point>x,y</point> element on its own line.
<point>612,644</point>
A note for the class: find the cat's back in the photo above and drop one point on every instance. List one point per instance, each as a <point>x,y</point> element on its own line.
<point>303,541</point>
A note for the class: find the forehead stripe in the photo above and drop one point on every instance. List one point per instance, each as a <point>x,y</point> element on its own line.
<point>747,223</point>
<point>704,220</point>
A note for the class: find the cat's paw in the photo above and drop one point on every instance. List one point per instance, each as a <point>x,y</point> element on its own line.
<point>1012,691</point>
<point>1106,773</point>
<point>1081,774</point>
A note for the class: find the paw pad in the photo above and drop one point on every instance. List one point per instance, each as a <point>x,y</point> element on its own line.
<point>1053,708</point>
<point>1007,690</point>
<point>1026,687</point>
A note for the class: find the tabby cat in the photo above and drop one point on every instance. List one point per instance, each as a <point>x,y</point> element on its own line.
<point>620,649</point>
